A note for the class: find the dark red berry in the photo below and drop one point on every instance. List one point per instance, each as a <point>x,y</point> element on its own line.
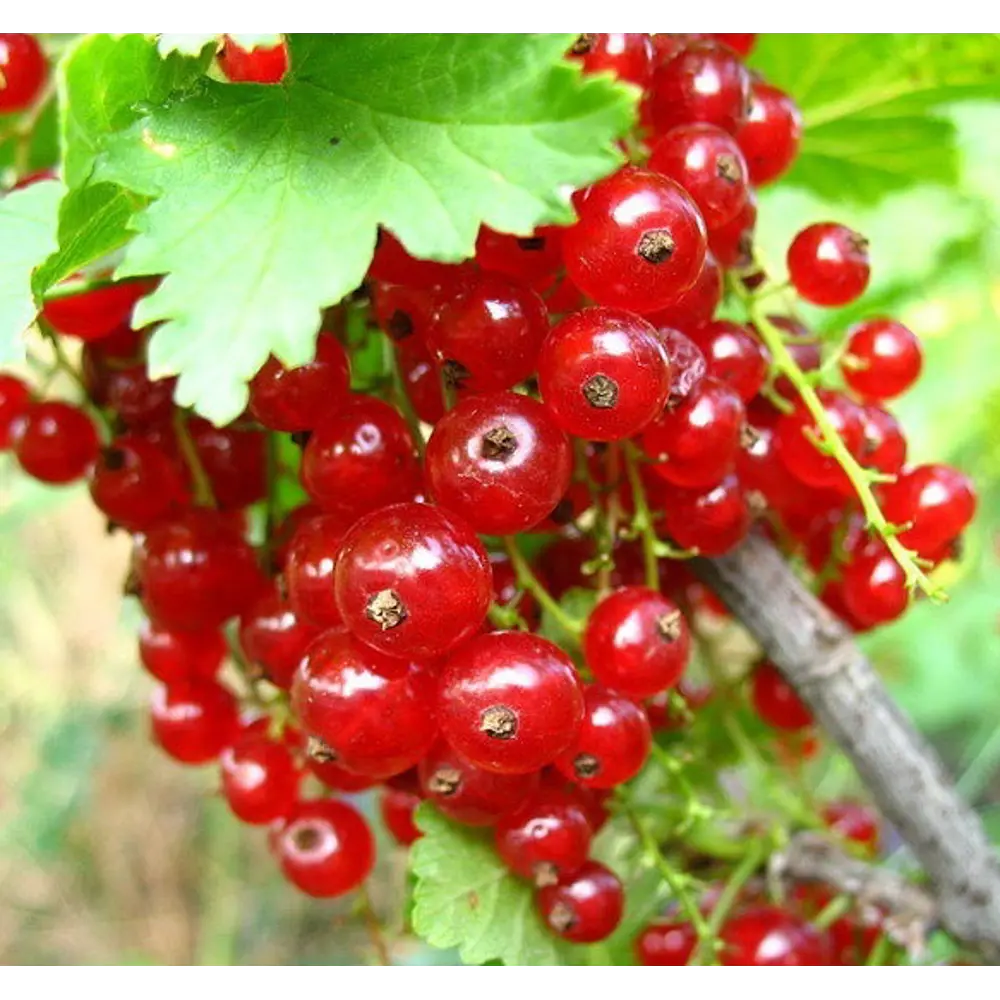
<point>261,64</point>
<point>770,136</point>
<point>687,364</point>
<point>97,312</point>
<point>134,483</point>
<point>309,570</point>
<point>397,806</point>
<point>54,442</point>
<point>883,446</point>
<point>768,935</point>
<point>732,244</point>
<point>273,638</point>
<point>235,461</point>
<point>776,701</point>
<point>259,778</point>
<point>698,304</point>
<point>394,265</point>
<point>334,776</point>
<point>15,398</point>
<point>584,907</point>
<point>937,501</point>
<point>532,260</point>
<point>883,359</point>
<point>175,656</point>
<point>828,264</point>
<point>666,944</point>
<point>421,379</point>
<point>734,355</point>
<point>799,438</point>
<point>193,720</point>
<point>22,70</point>
<point>741,44</point>
<point>628,57</point>
<point>712,521</point>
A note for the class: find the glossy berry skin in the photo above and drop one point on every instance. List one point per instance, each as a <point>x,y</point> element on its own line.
<point>325,848</point>
<point>15,398</point>
<point>883,445</point>
<point>741,44</point>
<point>796,434</point>
<point>732,243</point>
<point>666,944</point>
<point>263,64</point>
<point>704,82</point>
<point>769,935</point>
<point>531,260</point>
<point>545,838</point>
<point>138,400</point>
<point>499,461</point>
<point>359,459</point>
<point>708,164</point>
<point>734,355</point>
<point>698,304</point>
<point>487,334</point>
<point>235,461</point>
<point>375,713</point>
<point>413,581</point>
<point>771,134</point>
<point>612,744</point>
<point>176,656</point>
<point>883,359</point>
<point>421,379</point>
<point>603,374</point>
<point>22,69</point>
<point>338,778</point>
<point>54,442</point>
<point>259,778</point>
<point>309,570</point>
<point>96,313</point>
<point>687,364</point>
<point>194,720</point>
<point>297,399</point>
<point>695,443</point>
<point>510,702</point>
<point>196,571</point>
<point>637,642</point>
<point>713,521</point>
<point>397,806</point>
<point>273,638</point>
<point>828,264</point>
<point>873,587</point>
<point>134,483</point>
<point>584,907</point>
<point>775,701</point>
<point>391,263</point>
<point>628,56</point>
<point>468,794</point>
<point>939,500</point>
<point>639,243</point>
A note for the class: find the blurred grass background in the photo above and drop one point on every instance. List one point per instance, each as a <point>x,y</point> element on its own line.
<point>110,853</point>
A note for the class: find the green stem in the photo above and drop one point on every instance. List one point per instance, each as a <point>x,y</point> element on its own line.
<point>203,494</point>
<point>402,397</point>
<point>612,516</point>
<point>527,581</point>
<point>838,907</point>
<point>642,522</point>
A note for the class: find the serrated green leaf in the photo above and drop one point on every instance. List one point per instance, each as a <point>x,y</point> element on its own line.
<point>466,898</point>
<point>268,198</point>
<point>28,224</point>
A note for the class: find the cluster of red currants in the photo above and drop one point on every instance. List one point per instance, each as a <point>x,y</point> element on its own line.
<point>572,382</point>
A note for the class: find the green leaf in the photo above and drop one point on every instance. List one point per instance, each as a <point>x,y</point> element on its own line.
<point>577,602</point>
<point>269,198</point>
<point>28,221</point>
<point>466,898</point>
<point>192,45</point>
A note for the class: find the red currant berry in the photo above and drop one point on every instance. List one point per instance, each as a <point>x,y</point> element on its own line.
<point>468,794</point>
<point>770,136</point>
<point>936,500</point>
<point>775,701</point>
<point>740,44</point>
<point>421,379</point>
<point>767,935</point>
<point>712,521</point>
<point>196,571</point>
<point>873,587</point>
<point>325,848</point>
<point>532,260</point>
<point>799,438</point>
<point>309,570</point>
<point>337,778</point>
<point>259,778</point>
<point>397,806</point>
<point>854,822</point>
<point>500,461</point>
<point>698,304</point>
<point>139,400</point>
<point>613,742</point>
<point>687,365</point>
<point>734,355</point>
<point>545,838</point>
<point>54,442</point>
<point>413,580</point>
<point>603,374</point>
<point>828,264</point>
<point>394,265</point>
<point>235,461</point>
<point>708,164</point>
<point>193,720</point>
<point>883,446</point>
<point>15,398</point>
<point>263,64</point>
<point>22,70</point>
<point>98,312</point>
<point>628,57</point>
<point>510,701</point>
<point>273,638</point>
<point>584,907</point>
<point>666,944</point>
<point>639,243</point>
<point>134,483</point>
<point>637,642</point>
<point>359,458</point>
<point>296,399</point>
<point>883,359</point>
<point>703,82</point>
<point>175,656</point>
<point>732,243</point>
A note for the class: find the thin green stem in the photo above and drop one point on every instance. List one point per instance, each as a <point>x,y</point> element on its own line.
<point>642,522</point>
<point>530,583</point>
<point>838,907</point>
<point>612,516</point>
<point>203,493</point>
<point>402,397</point>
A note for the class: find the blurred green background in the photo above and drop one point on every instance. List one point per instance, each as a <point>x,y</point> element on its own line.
<point>110,853</point>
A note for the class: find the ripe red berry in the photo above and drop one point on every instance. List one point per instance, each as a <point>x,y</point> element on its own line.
<point>629,57</point>
<point>775,701</point>
<point>468,794</point>
<point>708,164</point>
<point>196,571</point>
<point>584,907</point>
<point>734,355</point>
<point>174,656</point>
<point>134,483</point>
<point>698,304</point>
<point>359,458</point>
<point>939,501</point>
<point>235,461</point>
<point>273,638</point>
<point>337,778</point>
<point>397,806</point>
<point>798,436</point>
<point>309,570</point>
<point>500,461</point>
<point>740,44</point>
<point>732,243</point>
<point>22,70</point>
<point>97,312</point>
<point>666,944</point>
<point>713,521</point>
<point>193,720</point>
<point>325,849</point>
<point>545,838</point>
<point>855,822</point>
<point>771,134</point>
<point>637,642</point>
<point>54,442</point>
<point>687,364</point>
<point>603,374</point>
<point>532,260</point>
<point>373,713</point>
<point>883,446</point>
<point>421,378</point>
<point>883,359</point>
<point>768,935</point>
<point>828,264</point>
<point>297,399</point>
<point>510,701</point>
<point>413,580</point>
<point>138,400</point>
<point>393,264</point>
<point>873,586</point>
<point>262,64</point>
<point>15,398</point>
<point>612,744</point>
<point>259,778</point>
